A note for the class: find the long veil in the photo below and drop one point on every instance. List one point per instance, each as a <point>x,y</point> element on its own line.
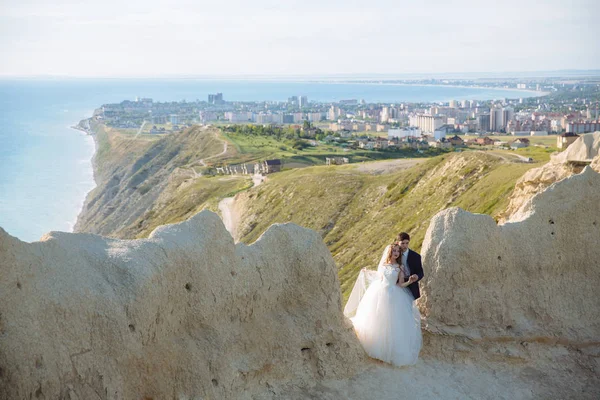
<point>365,278</point>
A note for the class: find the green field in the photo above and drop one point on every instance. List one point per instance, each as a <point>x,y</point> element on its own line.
<point>251,148</point>
<point>549,140</point>
<point>357,214</point>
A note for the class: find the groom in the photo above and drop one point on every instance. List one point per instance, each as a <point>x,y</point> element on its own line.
<point>411,263</point>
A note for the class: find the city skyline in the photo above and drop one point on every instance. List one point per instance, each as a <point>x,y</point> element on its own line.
<point>265,38</point>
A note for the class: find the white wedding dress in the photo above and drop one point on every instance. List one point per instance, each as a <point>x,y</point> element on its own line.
<point>385,317</point>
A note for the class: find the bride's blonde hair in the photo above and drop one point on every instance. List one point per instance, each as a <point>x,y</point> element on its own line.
<point>389,259</point>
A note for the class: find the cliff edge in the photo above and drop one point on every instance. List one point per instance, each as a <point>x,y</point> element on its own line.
<point>182,314</point>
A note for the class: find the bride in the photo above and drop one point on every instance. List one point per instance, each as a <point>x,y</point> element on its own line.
<point>385,317</point>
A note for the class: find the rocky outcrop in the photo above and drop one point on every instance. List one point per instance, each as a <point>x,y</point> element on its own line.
<point>523,292</point>
<point>562,165</point>
<point>183,314</point>
<point>536,278</point>
<point>510,311</point>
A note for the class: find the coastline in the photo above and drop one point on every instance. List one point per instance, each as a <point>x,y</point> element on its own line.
<point>534,93</point>
<point>92,162</point>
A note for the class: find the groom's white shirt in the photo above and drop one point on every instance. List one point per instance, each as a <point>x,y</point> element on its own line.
<point>405,268</point>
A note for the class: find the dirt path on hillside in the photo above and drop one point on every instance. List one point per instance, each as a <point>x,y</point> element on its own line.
<point>202,161</point>
<point>508,157</point>
<point>229,214</point>
<point>388,166</point>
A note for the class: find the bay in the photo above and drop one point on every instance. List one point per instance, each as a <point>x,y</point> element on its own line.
<point>45,166</point>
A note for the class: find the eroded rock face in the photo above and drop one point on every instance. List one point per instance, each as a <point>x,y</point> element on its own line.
<point>182,314</point>
<point>535,279</point>
<point>561,165</point>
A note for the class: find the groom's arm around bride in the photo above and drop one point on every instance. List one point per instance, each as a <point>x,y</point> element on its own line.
<point>413,263</point>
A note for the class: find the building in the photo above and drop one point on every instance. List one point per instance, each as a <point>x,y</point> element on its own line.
<point>270,166</point>
<point>358,127</point>
<point>370,145</point>
<point>302,101</point>
<point>264,118</point>
<point>206,116</point>
<point>406,132</point>
<point>440,133</point>
<point>496,120</point>
<point>519,143</point>
<point>456,141</point>
<point>388,113</point>
<point>499,118</point>
<point>298,117</point>
<point>427,123</point>
<point>483,122</point>
<point>277,118</point>
<point>336,160</point>
<point>315,116</point>
<point>215,98</point>
<point>334,113</point>
<point>564,140</point>
<point>238,116</point>
<point>583,127</point>
<point>484,141</point>
<point>440,144</point>
<point>381,143</point>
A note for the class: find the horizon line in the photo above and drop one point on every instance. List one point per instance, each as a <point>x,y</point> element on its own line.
<point>361,75</point>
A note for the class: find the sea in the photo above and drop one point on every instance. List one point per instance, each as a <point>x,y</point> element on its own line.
<point>45,165</point>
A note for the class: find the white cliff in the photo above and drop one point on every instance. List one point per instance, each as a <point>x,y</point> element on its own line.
<point>182,314</point>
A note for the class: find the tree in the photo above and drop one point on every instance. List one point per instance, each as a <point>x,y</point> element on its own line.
<point>306,126</point>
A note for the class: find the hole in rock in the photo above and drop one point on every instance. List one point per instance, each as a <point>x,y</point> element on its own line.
<point>551,222</point>
<point>38,393</point>
<point>19,285</point>
<point>188,286</point>
<point>509,327</point>
<point>305,349</point>
<point>499,258</point>
<point>132,327</point>
<point>215,382</point>
<point>329,344</point>
<point>594,223</point>
<point>552,233</point>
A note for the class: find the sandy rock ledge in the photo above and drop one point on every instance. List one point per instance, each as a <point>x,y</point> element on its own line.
<point>183,314</point>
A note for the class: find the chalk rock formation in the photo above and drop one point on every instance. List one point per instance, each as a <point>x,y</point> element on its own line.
<point>571,161</point>
<point>183,314</point>
<point>535,279</point>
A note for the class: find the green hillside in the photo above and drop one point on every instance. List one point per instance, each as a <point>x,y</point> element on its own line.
<point>149,180</point>
<point>358,214</point>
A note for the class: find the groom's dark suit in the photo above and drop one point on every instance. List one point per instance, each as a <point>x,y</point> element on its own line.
<point>414,265</point>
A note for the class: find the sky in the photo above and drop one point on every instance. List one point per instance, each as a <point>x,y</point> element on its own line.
<point>152,38</point>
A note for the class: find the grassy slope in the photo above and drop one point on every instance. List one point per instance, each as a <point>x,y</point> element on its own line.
<point>358,214</point>
<point>251,148</point>
<point>183,199</point>
<point>148,180</point>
